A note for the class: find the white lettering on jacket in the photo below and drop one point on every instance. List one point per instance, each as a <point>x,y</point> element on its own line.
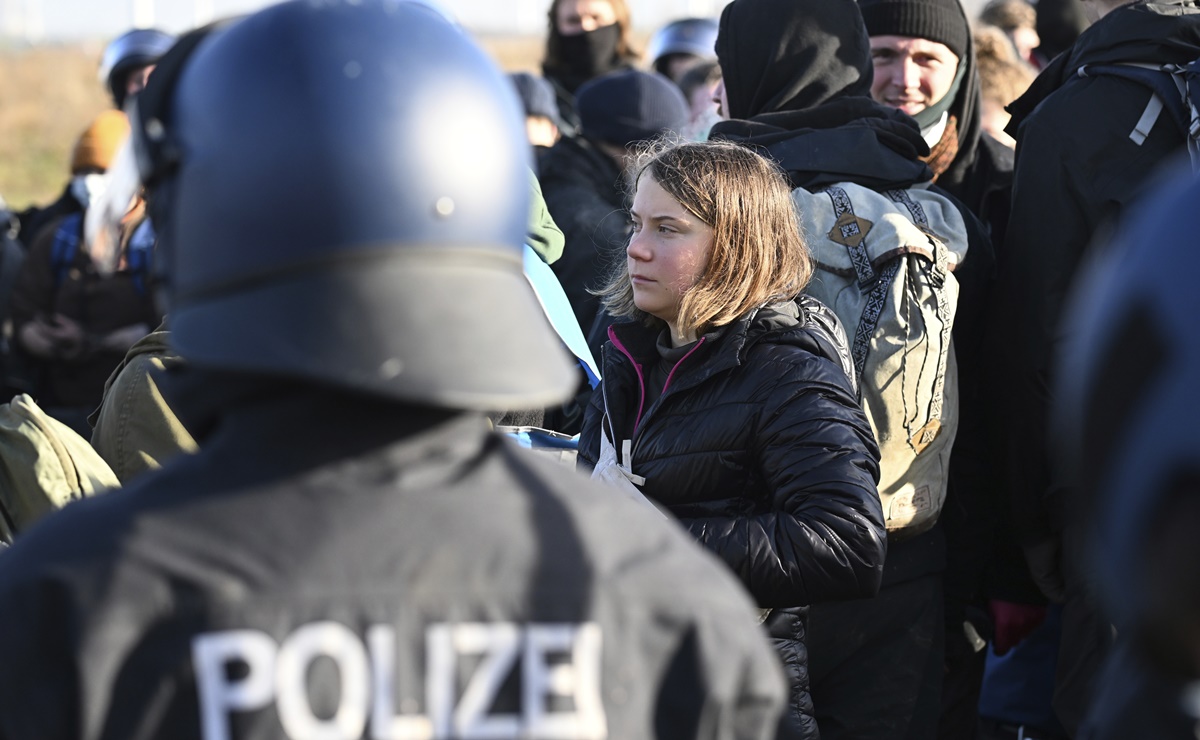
<point>554,660</point>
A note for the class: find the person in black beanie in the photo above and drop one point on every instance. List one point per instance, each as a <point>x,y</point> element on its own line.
<point>797,85</point>
<point>582,177</point>
<point>924,61</point>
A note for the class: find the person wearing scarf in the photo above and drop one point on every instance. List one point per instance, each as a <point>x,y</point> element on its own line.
<point>924,60</point>
<point>797,86</point>
<point>587,39</point>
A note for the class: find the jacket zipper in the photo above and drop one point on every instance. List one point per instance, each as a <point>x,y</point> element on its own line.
<point>637,369</point>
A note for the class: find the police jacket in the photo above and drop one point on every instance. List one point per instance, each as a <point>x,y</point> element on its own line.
<point>759,448</point>
<point>336,566</point>
<point>1077,170</point>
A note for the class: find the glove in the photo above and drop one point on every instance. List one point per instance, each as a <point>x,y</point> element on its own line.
<point>1044,559</point>
<point>56,338</point>
<point>1013,622</point>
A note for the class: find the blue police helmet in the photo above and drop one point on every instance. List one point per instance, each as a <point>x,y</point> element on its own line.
<point>694,36</point>
<point>340,190</point>
<point>130,50</point>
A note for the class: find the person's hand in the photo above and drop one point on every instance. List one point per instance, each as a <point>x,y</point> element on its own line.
<point>119,340</point>
<point>1013,622</point>
<point>35,337</point>
<point>68,337</point>
<point>58,338</point>
<point>1044,559</point>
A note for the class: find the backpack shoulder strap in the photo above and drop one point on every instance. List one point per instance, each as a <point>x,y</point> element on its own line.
<point>1168,90</point>
<point>851,232</point>
<point>65,247</point>
<point>139,253</point>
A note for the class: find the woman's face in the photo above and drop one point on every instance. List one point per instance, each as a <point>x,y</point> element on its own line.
<point>667,252</point>
<point>574,17</point>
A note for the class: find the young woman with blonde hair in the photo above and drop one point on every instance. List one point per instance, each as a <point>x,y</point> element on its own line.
<point>725,397</point>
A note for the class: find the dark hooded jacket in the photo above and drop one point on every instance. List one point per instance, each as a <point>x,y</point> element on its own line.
<point>585,195</point>
<point>980,174</point>
<point>1076,172</point>
<point>798,91</point>
<point>757,444</point>
<point>99,303</point>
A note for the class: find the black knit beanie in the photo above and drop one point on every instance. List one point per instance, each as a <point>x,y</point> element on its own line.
<point>942,21</point>
<point>630,106</point>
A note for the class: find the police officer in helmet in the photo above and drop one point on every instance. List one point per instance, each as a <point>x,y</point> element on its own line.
<point>339,190</point>
<point>129,59</point>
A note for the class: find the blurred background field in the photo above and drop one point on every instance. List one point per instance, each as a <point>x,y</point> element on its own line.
<point>48,96</point>
<point>50,93</point>
<point>50,49</point>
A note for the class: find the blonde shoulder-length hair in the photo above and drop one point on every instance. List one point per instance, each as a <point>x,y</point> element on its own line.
<point>758,254</point>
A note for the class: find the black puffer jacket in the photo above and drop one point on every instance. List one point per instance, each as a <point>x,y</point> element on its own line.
<point>758,446</point>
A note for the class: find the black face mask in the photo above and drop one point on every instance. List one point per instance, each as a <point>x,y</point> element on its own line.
<point>586,55</point>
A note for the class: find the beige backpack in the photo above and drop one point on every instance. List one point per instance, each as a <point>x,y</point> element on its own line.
<point>884,264</point>
<point>44,465</point>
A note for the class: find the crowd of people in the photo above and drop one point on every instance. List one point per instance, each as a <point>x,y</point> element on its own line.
<point>846,317</point>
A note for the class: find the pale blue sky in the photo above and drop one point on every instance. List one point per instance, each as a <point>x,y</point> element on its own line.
<point>103,19</point>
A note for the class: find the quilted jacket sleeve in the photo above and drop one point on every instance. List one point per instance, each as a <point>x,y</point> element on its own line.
<point>824,537</point>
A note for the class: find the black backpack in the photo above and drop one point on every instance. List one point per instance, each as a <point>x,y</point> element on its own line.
<point>1173,87</point>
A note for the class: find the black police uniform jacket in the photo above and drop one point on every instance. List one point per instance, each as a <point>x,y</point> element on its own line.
<point>759,447</point>
<point>349,568</point>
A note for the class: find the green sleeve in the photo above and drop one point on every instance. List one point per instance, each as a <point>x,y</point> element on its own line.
<point>544,235</point>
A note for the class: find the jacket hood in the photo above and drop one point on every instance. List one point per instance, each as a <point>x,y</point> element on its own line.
<point>966,111</point>
<point>779,55</point>
<point>1166,32</point>
<point>848,139</point>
